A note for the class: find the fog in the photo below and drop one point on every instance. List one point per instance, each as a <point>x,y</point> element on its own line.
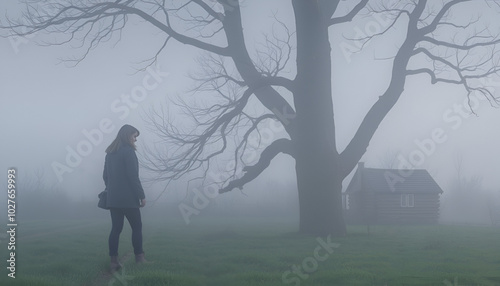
<point>49,109</point>
<point>61,107</point>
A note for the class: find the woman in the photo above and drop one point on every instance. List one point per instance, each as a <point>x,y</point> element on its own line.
<point>125,192</point>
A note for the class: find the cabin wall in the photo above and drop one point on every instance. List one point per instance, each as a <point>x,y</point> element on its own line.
<point>362,209</point>
<point>424,211</point>
<point>369,208</point>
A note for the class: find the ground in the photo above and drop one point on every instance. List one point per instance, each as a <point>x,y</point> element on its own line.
<point>260,252</point>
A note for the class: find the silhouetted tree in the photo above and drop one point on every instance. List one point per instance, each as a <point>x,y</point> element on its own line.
<point>449,50</point>
<point>40,200</point>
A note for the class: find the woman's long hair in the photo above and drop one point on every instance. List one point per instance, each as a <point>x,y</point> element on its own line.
<point>123,138</point>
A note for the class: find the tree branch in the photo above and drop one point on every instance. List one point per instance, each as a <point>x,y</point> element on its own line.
<point>463,47</point>
<point>268,96</point>
<point>177,36</point>
<point>439,16</point>
<point>329,7</point>
<point>360,141</point>
<point>434,78</point>
<point>349,16</point>
<point>251,172</point>
<point>72,15</point>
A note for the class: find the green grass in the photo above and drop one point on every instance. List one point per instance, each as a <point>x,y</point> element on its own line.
<point>254,252</point>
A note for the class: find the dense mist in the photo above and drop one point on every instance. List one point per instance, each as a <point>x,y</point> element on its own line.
<point>61,106</point>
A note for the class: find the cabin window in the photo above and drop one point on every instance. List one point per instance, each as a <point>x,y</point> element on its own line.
<point>407,200</point>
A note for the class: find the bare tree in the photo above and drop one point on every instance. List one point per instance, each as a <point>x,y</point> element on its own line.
<point>448,50</point>
<point>40,197</point>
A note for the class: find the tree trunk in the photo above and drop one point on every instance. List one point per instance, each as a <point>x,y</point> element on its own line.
<point>317,160</point>
<point>320,195</point>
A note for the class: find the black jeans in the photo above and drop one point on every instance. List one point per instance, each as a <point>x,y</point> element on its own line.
<point>133,216</point>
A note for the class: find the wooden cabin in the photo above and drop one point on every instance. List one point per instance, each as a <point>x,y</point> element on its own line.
<point>392,196</point>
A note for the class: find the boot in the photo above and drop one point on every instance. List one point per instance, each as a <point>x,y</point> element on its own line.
<point>115,264</point>
<point>139,258</point>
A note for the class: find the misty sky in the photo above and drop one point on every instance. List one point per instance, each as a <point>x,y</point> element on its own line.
<point>46,107</point>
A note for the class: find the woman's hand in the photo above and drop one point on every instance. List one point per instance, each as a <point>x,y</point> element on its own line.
<point>143,203</point>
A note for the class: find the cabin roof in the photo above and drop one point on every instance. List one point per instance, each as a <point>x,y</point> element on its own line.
<point>392,181</point>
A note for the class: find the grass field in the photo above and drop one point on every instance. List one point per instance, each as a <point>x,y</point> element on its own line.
<point>254,252</point>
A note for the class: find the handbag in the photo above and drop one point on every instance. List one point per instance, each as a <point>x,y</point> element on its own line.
<point>103,197</point>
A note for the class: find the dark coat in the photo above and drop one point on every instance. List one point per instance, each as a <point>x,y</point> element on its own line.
<point>121,177</point>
